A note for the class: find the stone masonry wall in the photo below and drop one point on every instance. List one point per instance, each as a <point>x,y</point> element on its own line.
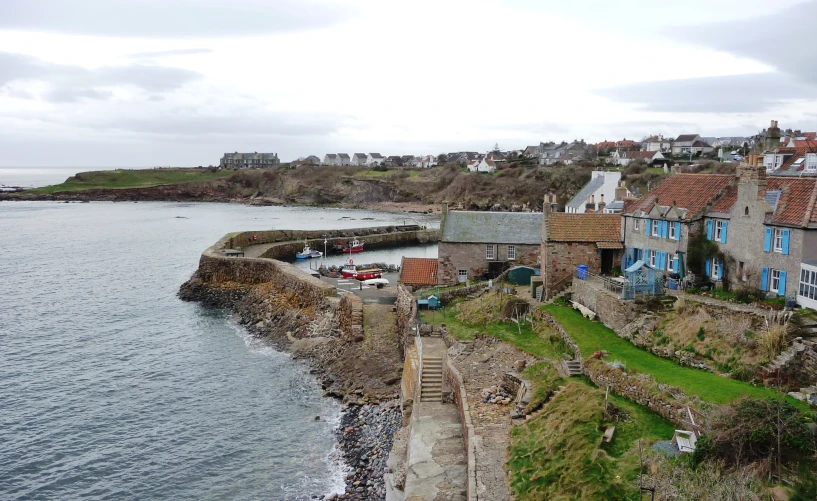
<point>406,312</point>
<point>217,268</point>
<point>472,257</point>
<point>351,317</point>
<point>563,257</point>
<point>615,313</point>
<point>292,240</point>
<point>454,380</point>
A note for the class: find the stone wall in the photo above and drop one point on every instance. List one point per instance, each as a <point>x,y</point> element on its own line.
<point>447,296</point>
<point>472,257</point>
<point>614,312</point>
<point>562,259</point>
<point>669,402</point>
<point>351,317</point>
<point>408,386</point>
<point>543,316</point>
<point>454,380</point>
<point>216,268</point>
<point>406,314</point>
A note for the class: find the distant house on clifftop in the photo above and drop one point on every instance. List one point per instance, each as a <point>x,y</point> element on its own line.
<point>238,160</point>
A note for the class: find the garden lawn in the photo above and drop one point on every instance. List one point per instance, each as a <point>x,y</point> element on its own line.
<point>593,336</point>
<point>539,344</point>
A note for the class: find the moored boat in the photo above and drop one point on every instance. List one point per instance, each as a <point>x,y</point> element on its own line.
<point>354,246</point>
<point>307,253</point>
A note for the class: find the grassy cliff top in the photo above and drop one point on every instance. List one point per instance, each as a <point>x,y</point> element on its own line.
<point>131,178</point>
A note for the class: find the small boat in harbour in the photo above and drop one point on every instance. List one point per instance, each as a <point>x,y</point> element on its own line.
<point>349,270</point>
<point>354,246</point>
<point>308,253</point>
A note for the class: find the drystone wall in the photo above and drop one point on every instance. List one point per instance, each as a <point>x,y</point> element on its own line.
<point>669,402</point>
<point>448,296</point>
<point>543,316</point>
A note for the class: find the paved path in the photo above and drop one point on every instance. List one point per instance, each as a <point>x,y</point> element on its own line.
<point>437,461</point>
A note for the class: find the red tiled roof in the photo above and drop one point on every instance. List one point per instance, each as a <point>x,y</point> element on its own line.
<point>564,227</point>
<point>627,143</point>
<point>688,191</point>
<point>810,135</point>
<point>796,205</point>
<point>641,155</point>
<point>606,144</point>
<point>419,271</point>
<point>797,200</point>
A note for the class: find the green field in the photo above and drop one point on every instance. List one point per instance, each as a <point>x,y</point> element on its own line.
<point>595,336</point>
<point>126,178</point>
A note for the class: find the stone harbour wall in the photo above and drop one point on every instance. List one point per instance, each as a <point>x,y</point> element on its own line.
<point>218,268</point>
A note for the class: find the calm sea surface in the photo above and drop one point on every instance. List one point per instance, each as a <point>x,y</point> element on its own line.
<point>112,388</point>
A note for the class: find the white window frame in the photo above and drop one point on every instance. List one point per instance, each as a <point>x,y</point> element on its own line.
<point>653,258</point>
<point>811,162</point>
<point>716,267</point>
<point>672,234</point>
<point>655,228</point>
<point>490,254</point>
<point>670,260</point>
<point>808,284</point>
<point>511,253</point>
<point>462,275</point>
<point>718,230</point>
<point>778,237</point>
<point>774,281</point>
<point>635,224</point>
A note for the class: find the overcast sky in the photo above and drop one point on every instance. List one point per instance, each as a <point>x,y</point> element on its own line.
<point>178,82</point>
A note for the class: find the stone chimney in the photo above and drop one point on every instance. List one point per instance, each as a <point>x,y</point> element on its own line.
<point>772,136</point>
<point>590,204</point>
<point>544,251</point>
<point>751,182</point>
<point>601,205</point>
<point>621,191</point>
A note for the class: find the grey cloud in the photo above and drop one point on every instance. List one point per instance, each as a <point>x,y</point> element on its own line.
<point>170,18</point>
<point>190,122</point>
<point>784,40</point>
<point>71,83</point>
<point>168,53</point>
<point>73,95</point>
<point>726,94</point>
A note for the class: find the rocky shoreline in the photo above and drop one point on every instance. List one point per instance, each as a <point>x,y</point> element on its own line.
<point>372,413</point>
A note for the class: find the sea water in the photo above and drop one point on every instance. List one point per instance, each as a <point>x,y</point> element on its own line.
<point>113,388</point>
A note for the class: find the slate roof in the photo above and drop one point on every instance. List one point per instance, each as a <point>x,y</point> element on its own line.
<point>564,227</point>
<point>493,227</point>
<point>686,137</point>
<point>688,191</point>
<point>376,155</point>
<point>331,155</point>
<point>343,155</point>
<point>418,271</point>
<point>640,155</point>
<point>588,189</point>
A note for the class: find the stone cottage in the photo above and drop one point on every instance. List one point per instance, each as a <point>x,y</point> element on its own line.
<point>570,240</point>
<point>483,244</point>
<point>765,230</point>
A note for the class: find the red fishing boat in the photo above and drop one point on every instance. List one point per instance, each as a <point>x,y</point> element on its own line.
<point>350,271</point>
<point>354,246</point>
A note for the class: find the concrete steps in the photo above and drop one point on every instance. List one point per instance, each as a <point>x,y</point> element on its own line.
<point>573,367</point>
<point>431,384</point>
